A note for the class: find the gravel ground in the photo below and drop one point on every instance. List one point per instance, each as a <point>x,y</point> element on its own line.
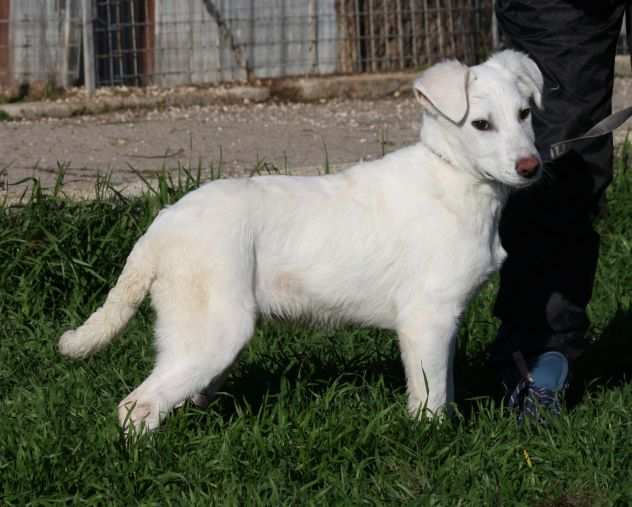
<point>298,138</point>
<point>295,137</point>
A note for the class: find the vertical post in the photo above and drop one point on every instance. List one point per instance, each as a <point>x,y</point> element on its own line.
<point>413,23</point>
<point>463,15</point>
<point>109,35</point>
<point>465,24</point>
<point>358,36</point>
<point>440,28</point>
<point>88,47</point>
<point>251,62</point>
<point>476,39</point>
<point>429,56</point>
<point>342,34</point>
<point>137,76</point>
<point>191,53</point>
<point>495,37</point>
<point>149,42</point>
<point>467,29</point>
<point>6,68</point>
<point>65,66</point>
<point>312,13</point>
<point>119,46</point>
<point>284,21</point>
<point>221,57</point>
<point>400,29</point>
<point>386,58</point>
<point>450,8</point>
<point>372,37</point>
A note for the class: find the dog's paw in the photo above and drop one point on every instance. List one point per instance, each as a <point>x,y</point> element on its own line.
<point>70,345</point>
<point>138,417</point>
<point>429,409</point>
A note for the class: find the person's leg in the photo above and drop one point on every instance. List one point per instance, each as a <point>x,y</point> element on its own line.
<point>547,279</point>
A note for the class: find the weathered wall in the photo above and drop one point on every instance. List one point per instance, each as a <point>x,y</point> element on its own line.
<point>171,42</point>
<point>261,39</point>
<point>38,30</point>
<point>185,44</point>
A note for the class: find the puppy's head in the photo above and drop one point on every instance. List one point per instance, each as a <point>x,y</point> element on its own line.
<point>484,112</point>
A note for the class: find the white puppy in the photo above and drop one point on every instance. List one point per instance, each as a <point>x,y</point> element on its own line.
<point>399,243</point>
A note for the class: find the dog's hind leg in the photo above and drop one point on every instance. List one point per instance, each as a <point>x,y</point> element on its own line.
<point>199,333</point>
<point>185,367</point>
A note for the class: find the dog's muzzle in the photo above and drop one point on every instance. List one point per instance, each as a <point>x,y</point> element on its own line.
<point>528,167</point>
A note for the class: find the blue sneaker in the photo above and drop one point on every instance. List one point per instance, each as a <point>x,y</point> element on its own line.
<point>542,391</point>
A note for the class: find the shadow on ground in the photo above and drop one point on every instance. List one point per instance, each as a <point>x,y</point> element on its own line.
<point>608,364</point>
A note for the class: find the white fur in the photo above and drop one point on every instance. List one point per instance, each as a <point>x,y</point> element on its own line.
<point>400,243</point>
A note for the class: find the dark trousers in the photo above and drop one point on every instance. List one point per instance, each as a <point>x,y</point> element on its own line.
<point>547,279</point>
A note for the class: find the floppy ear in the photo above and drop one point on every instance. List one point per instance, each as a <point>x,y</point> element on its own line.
<point>443,87</point>
<point>525,70</point>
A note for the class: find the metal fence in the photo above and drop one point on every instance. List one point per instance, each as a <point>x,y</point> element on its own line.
<point>171,42</point>
<point>123,39</point>
<point>38,42</point>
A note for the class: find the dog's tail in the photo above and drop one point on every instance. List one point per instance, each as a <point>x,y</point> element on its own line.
<point>120,306</point>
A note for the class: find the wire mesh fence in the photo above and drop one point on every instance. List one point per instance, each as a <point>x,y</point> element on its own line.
<point>381,35</point>
<point>40,41</point>
<point>144,41</point>
<point>123,36</point>
<point>171,42</point>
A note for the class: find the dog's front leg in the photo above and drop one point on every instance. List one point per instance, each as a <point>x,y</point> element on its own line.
<point>427,345</point>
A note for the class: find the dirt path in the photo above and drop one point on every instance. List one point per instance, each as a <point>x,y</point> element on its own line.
<point>297,137</point>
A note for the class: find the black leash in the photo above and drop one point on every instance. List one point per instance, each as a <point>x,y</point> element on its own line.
<point>605,126</point>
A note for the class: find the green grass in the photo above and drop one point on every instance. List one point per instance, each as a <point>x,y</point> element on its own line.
<point>309,416</point>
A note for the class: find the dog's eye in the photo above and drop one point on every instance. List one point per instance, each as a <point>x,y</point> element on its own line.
<point>481,125</point>
<point>524,113</point>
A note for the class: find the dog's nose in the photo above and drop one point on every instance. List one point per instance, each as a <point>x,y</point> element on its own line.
<point>527,167</point>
